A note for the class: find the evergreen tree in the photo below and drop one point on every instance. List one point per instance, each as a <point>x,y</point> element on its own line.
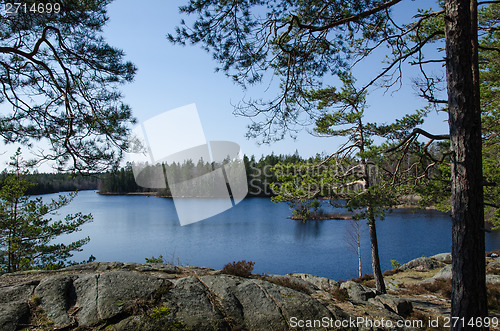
<point>489,65</point>
<point>355,177</point>
<point>27,229</point>
<point>303,42</point>
<point>60,79</point>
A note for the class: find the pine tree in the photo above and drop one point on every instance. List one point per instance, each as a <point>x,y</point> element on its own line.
<point>27,229</point>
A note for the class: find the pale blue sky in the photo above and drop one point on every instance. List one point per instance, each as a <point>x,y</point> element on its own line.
<point>171,76</point>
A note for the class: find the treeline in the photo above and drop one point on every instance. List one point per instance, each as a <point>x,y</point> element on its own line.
<point>258,173</point>
<point>45,183</point>
<point>120,182</point>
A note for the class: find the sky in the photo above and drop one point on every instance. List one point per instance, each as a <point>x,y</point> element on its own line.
<point>171,76</point>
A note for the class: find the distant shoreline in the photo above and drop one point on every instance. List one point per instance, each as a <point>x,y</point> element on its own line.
<point>128,193</point>
<point>155,194</point>
<point>322,217</point>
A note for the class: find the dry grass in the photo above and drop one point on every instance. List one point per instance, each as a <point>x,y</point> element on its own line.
<point>441,287</point>
<point>493,269</point>
<point>493,293</point>
<point>366,279</point>
<point>421,316</point>
<point>391,272</point>
<point>409,277</point>
<point>289,282</point>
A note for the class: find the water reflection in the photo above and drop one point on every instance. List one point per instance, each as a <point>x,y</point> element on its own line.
<point>131,228</point>
<point>307,230</point>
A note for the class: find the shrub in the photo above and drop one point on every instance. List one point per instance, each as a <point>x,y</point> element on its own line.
<point>395,264</point>
<point>153,259</point>
<point>340,294</point>
<point>240,268</point>
<point>364,278</point>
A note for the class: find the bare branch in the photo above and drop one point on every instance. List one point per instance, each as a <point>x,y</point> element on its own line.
<point>343,21</point>
<point>415,132</point>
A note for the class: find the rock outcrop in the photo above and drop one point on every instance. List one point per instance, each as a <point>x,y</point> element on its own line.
<point>400,306</point>
<point>160,296</point>
<point>442,257</point>
<point>357,292</point>
<point>119,296</point>
<point>422,264</point>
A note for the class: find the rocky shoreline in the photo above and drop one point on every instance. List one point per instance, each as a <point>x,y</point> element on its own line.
<point>160,296</point>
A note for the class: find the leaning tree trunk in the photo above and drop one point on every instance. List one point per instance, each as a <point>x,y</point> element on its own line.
<point>377,271</point>
<point>468,267</point>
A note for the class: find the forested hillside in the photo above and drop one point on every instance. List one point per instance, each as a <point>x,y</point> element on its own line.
<point>57,182</point>
<point>259,175</point>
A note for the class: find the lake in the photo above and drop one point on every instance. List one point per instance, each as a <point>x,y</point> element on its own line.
<point>132,228</point>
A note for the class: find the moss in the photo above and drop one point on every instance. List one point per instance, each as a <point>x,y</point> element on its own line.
<point>159,312</point>
<point>36,300</point>
<point>119,303</point>
<point>178,324</point>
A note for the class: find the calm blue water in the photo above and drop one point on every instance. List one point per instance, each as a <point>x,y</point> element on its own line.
<point>131,228</point>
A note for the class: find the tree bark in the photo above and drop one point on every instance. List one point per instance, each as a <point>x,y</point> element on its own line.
<point>468,252</point>
<point>377,271</point>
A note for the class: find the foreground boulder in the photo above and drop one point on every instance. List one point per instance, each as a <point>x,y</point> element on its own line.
<point>150,297</point>
<point>159,296</point>
<point>397,305</point>
<point>357,292</point>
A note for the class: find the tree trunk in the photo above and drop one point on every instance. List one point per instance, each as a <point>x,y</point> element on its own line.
<point>468,282</point>
<point>377,272</point>
<point>358,242</point>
